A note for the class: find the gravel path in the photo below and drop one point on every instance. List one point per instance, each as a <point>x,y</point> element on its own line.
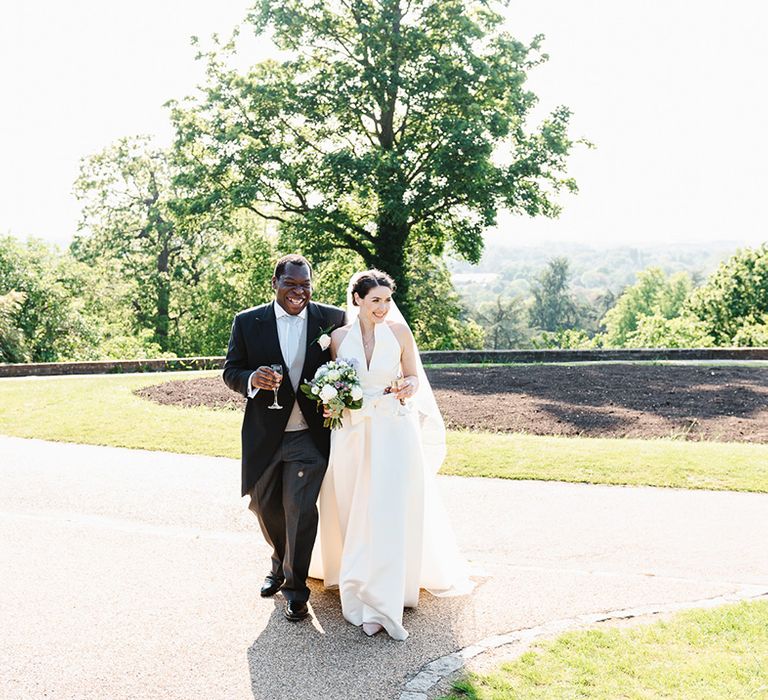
<point>132,574</point>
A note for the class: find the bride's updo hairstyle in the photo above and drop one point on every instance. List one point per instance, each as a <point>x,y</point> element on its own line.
<point>364,282</point>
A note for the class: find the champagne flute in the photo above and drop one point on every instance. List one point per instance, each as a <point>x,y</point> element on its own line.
<point>279,370</point>
<point>394,386</point>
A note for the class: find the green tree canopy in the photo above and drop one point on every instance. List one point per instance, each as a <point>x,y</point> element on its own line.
<point>236,276</point>
<point>502,322</point>
<point>131,215</point>
<point>442,322</point>
<point>733,303</point>
<point>553,307</point>
<point>12,340</point>
<point>56,308</point>
<point>36,280</point>
<point>391,122</point>
<point>653,295</point>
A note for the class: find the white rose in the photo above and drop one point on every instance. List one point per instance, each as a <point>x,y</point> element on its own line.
<point>356,393</point>
<point>333,375</point>
<point>324,341</point>
<point>315,390</point>
<point>328,392</point>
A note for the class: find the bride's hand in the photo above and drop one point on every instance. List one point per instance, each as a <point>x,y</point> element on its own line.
<point>326,412</point>
<point>408,388</point>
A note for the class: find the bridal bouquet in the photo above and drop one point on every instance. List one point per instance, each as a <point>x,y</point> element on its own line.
<point>336,386</point>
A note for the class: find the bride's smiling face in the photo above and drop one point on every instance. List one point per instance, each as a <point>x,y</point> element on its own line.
<point>374,306</point>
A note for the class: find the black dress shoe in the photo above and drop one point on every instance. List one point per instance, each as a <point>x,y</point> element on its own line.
<point>271,586</point>
<point>296,610</point>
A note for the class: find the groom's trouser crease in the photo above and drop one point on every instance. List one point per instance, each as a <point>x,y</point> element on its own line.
<point>284,501</point>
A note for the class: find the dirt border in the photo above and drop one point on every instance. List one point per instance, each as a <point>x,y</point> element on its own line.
<point>720,403</point>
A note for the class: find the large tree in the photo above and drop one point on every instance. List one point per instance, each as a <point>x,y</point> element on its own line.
<point>132,215</point>
<point>391,122</point>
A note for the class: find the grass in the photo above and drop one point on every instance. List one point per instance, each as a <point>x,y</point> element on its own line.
<point>697,465</point>
<point>103,410</point>
<point>702,654</point>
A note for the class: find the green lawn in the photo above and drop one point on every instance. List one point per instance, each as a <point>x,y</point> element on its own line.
<point>700,654</point>
<point>103,411</point>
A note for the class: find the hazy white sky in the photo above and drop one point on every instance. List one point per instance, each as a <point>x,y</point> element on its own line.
<point>672,92</point>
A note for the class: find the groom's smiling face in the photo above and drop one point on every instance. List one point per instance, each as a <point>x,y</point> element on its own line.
<point>293,289</point>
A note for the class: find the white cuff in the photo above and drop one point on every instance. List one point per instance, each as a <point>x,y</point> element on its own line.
<point>252,390</point>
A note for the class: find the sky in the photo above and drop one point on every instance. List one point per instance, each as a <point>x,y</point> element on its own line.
<point>671,92</point>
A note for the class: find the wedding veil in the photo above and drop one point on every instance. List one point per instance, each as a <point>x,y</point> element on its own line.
<point>423,401</point>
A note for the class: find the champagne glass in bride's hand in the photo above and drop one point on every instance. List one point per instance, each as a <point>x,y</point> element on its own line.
<point>278,369</point>
<point>394,386</point>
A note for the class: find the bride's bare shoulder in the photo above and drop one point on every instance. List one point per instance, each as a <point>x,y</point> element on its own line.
<point>401,330</point>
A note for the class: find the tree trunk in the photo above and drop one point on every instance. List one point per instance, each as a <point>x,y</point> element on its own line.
<point>390,257</point>
<point>392,225</point>
<point>163,296</point>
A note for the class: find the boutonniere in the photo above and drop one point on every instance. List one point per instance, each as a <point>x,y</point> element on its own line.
<point>324,339</point>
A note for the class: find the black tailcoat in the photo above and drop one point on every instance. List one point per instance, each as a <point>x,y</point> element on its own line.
<point>254,342</point>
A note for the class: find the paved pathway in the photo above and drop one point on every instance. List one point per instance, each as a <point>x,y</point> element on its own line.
<point>131,574</point>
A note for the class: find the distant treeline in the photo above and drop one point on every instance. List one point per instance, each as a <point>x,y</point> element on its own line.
<point>99,302</point>
<point>523,297</point>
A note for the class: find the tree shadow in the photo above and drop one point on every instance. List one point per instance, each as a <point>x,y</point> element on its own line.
<point>604,399</point>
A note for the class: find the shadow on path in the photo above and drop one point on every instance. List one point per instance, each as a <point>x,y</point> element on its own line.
<point>327,657</point>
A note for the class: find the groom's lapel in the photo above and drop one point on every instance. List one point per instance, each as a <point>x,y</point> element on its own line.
<point>270,339</point>
<point>314,326</point>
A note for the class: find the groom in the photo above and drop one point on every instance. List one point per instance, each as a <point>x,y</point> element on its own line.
<point>284,452</point>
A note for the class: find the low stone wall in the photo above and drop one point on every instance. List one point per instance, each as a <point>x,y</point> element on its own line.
<point>619,355</point>
<point>110,366</point>
<point>429,357</point>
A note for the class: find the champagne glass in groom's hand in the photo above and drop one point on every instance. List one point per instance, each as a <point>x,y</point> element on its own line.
<point>277,369</point>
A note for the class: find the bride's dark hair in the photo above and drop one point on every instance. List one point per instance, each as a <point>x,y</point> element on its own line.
<point>364,282</point>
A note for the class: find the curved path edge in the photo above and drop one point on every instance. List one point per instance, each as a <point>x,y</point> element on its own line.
<point>437,670</point>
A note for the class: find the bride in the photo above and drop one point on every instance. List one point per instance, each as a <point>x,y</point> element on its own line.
<point>383,531</point>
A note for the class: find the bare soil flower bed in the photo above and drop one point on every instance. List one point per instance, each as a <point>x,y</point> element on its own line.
<point>725,403</point>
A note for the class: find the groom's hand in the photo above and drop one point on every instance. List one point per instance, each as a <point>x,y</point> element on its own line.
<point>265,378</point>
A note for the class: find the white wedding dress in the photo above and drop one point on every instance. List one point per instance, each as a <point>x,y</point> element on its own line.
<point>383,531</point>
